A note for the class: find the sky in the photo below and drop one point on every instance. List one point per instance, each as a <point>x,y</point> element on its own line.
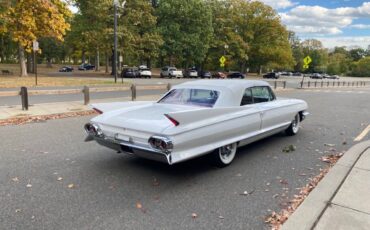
<point>334,22</point>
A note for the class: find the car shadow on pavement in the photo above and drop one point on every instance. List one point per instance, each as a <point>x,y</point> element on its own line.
<point>198,166</point>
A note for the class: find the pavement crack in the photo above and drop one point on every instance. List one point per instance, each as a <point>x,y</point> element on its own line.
<point>353,209</point>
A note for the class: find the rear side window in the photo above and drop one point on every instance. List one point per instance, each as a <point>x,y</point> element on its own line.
<point>247,97</point>
<point>262,94</point>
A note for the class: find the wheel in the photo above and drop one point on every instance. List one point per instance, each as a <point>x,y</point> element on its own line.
<point>294,126</point>
<point>224,155</point>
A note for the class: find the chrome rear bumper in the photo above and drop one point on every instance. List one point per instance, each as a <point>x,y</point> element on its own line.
<point>132,148</point>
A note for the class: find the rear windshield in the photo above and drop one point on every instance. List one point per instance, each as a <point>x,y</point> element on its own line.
<point>196,97</point>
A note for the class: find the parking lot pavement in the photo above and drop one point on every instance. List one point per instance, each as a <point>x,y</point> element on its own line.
<point>51,179</point>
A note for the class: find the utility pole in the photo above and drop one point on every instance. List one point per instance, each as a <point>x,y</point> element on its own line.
<point>114,67</point>
<point>115,56</point>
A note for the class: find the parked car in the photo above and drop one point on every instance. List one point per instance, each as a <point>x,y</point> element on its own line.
<point>219,75</point>
<point>66,69</point>
<point>297,74</point>
<point>171,72</point>
<point>316,76</point>
<point>205,74</point>
<point>286,74</point>
<point>177,127</point>
<point>334,77</point>
<point>130,72</point>
<point>86,66</point>
<point>236,75</point>
<point>191,73</point>
<point>271,75</point>
<point>145,73</point>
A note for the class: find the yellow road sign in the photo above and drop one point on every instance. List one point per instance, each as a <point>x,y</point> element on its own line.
<point>307,60</point>
<point>222,61</point>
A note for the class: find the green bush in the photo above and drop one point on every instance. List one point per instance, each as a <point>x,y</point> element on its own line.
<point>361,68</point>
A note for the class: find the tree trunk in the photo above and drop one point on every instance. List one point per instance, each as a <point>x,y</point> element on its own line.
<point>83,57</point>
<point>2,55</point>
<point>29,63</point>
<point>22,62</point>
<point>97,62</point>
<point>148,63</point>
<point>106,62</point>
<point>48,63</point>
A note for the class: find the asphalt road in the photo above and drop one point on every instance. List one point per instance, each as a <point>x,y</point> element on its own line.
<point>292,82</point>
<point>109,187</point>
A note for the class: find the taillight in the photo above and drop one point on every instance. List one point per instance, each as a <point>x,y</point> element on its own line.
<point>161,143</point>
<point>174,122</point>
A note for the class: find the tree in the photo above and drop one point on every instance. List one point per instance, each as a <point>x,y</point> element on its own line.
<point>338,63</point>
<point>318,54</point>
<point>357,54</point>
<point>140,39</point>
<point>252,31</point>
<point>28,20</point>
<point>362,68</point>
<point>186,28</point>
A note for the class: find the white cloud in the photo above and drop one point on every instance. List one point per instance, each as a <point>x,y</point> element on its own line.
<point>317,20</point>
<point>279,4</point>
<point>360,26</point>
<point>331,42</point>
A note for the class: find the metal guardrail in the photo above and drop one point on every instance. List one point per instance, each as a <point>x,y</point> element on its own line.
<point>328,84</point>
<point>25,93</point>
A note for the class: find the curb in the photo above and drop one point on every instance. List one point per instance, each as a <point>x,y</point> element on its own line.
<point>309,212</point>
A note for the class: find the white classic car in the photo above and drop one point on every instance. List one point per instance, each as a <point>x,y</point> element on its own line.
<point>196,118</point>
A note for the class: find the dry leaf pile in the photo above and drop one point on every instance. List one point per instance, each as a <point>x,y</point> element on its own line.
<point>33,119</point>
<point>275,220</point>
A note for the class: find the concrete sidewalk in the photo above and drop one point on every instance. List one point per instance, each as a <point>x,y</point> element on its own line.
<point>342,198</point>
<point>8,112</point>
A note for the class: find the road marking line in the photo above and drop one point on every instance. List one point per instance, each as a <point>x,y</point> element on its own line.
<point>363,134</point>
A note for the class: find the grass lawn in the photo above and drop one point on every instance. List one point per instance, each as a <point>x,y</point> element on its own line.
<point>13,82</point>
<point>51,77</point>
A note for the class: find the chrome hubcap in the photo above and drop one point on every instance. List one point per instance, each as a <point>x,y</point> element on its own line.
<point>227,153</point>
<point>295,124</point>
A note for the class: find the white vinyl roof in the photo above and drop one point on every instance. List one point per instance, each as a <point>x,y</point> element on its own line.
<point>231,91</point>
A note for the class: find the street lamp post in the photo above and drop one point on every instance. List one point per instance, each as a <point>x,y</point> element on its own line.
<point>115,56</point>
<point>114,67</point>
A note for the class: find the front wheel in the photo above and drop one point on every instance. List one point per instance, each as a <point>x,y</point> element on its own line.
<point>294,126</point>
<point>224,155</point>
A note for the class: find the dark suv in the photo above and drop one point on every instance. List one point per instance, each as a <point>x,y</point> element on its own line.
<point>130,73</point>
<point>271,75</point>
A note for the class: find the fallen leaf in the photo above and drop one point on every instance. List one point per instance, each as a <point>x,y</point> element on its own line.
<point>15,179</point>
<point>29,185</point>
<point>289,148</point>
<point>71,186</point>
<point>138,205</point>
<point>274,196</point>
<point>155,182</point>
<point>194,215</point>
<point>18,210</point>
<point>221,217</point>
<point>59,178</point>
<point>329,145</point>
<point>283,181</point>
